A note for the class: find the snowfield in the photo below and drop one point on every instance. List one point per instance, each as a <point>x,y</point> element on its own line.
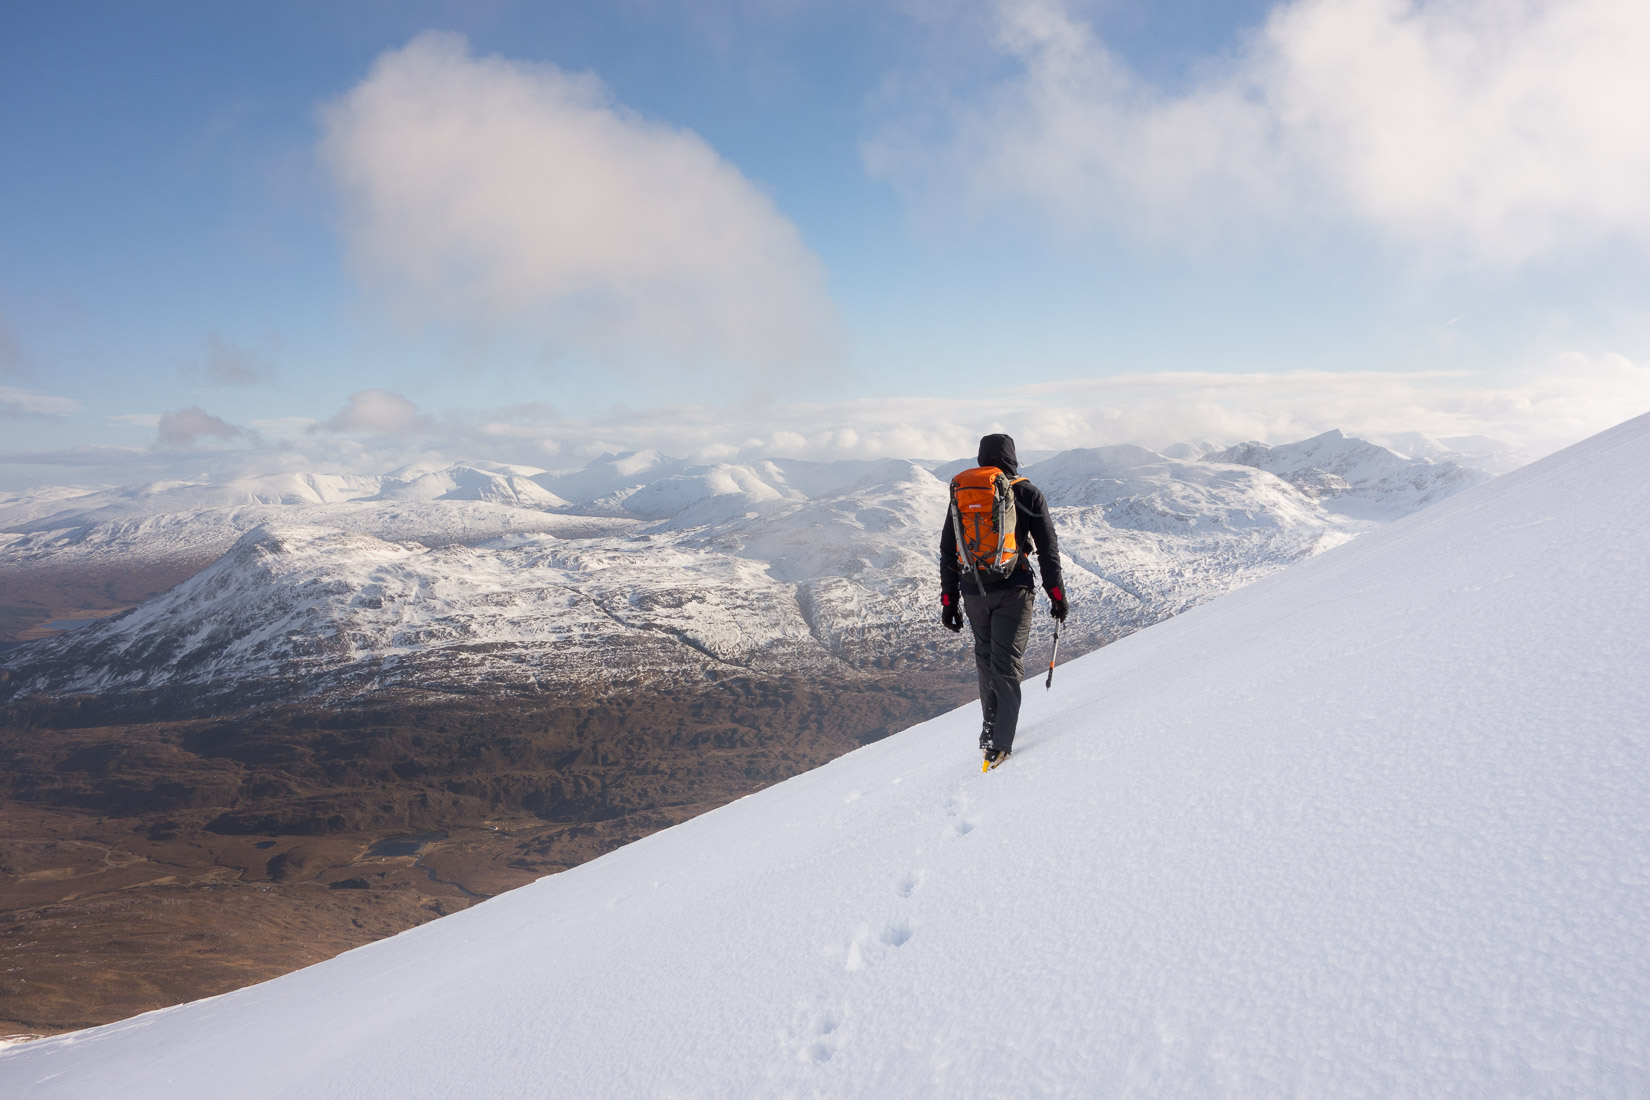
<point>1375,826</point>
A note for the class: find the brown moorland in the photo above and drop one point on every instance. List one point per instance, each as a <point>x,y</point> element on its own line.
<point>148,862</point>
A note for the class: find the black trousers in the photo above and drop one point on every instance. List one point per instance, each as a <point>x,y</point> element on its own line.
<point>1002,624</point>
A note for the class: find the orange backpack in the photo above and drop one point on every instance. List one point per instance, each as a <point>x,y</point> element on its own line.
<point>983,519</point>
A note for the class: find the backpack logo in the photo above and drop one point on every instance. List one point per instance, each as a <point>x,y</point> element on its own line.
<point>983,519</point>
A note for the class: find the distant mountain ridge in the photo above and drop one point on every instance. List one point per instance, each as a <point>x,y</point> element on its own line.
<point>1354,476</point>
<point>640,565</point>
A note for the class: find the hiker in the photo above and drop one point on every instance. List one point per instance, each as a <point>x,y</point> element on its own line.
<point>997,592</point>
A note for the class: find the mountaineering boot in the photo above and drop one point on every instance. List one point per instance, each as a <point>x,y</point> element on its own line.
<point>993,758</point>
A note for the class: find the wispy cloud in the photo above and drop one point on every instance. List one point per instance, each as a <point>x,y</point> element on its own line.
<point>187,427</point>
<point>284,428</point>
<point>1489,131</point>
<point>111,462</point>
<point>16,402</point>
<point>502,192</point>
<point>226,363</point>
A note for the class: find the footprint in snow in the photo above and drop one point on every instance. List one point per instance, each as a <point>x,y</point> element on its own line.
<point>814,1036</point>
<point>897,933</point>
<point>956,805</point>
<point>822,1046</point>
<point>863,949</point>
<point>908,883</point>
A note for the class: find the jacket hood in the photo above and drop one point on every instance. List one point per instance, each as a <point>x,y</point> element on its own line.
<point>998,451</point>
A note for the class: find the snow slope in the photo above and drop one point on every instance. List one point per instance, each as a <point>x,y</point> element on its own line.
<point>1375,826</point>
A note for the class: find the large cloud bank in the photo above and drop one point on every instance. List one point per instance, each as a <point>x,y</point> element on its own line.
<point>1490,131</point>
<point>501,192</point>
<point>1532,411</point>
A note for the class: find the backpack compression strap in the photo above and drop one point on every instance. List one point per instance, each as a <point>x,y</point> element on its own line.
<point>956,527</point>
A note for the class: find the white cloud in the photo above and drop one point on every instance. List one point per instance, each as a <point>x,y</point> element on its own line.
<point>1492,130</point>
<point>187,427</point>
<point>15,402</point>
<point>284,427</point>
<point>374,412</point>
<point>1535,410</point>
<point>495,191</point>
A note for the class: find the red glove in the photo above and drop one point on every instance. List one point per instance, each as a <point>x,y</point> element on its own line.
<point>950,613</point>
<point>1057,605</point>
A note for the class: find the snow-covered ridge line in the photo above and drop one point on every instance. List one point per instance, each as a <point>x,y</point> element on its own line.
<point>640,565</point>
<point>604,485</point>
<point>1371,827</point>
<point>1361,477</point>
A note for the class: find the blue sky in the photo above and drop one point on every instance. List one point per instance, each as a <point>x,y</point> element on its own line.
<point>344,234</point>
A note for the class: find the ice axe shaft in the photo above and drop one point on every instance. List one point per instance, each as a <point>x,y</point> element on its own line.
<point>1048,683</point>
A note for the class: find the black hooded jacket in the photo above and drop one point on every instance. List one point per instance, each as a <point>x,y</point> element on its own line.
<point>1031,523</point>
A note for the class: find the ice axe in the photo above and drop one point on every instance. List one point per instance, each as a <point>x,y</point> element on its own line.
<point>1048,683</point>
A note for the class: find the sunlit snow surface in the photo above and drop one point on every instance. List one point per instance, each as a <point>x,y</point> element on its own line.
<point>1375,826</point>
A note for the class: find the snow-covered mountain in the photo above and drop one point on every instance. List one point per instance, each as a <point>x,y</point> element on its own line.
<point>494,482</point>
<point>1355,477</point>
<point>1478,451</point>
<point>1371,827</point>
<point>638,566</point>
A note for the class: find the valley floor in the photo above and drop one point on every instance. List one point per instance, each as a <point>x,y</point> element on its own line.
<point>143,865</point>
